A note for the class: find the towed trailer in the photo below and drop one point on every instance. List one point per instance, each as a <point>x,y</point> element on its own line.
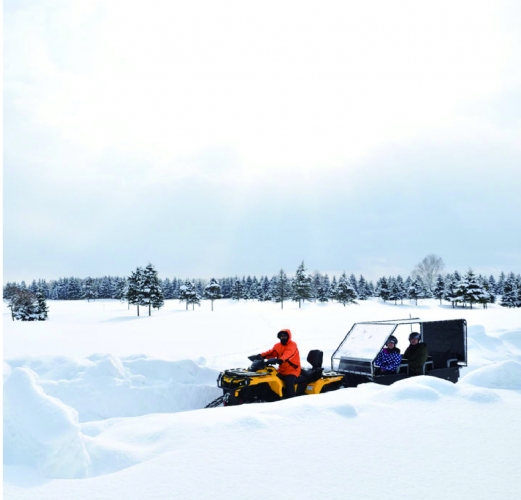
<point>446,342</point>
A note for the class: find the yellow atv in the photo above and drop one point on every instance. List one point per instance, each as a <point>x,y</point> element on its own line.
<point>260,383</point>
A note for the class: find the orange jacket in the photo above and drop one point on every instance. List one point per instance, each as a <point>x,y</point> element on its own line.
<point>288,353</point>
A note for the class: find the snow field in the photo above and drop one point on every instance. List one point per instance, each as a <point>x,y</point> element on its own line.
<point>107,425</point>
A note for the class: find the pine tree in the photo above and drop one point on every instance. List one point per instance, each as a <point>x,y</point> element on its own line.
<point>301,285</point>
<point>510,295</point>
<point>89,289</point>
<point>345,293</point>
<point>120,288</point>
<point>188,293</point>
<point>416,290</point>
<point>43,309</point>
<point>134,288</point>
<point>332,289</point>
<point>394,291</point>
<point>24,305</point>
<point>363,289</point>
<point>439,288</point>
<point>281,288</point>
<point>472,291</point>
<point>237,289</point>
<point>151,293</point>
<point>212,291</point>
<point>382,289</point>
<point>500,284</point>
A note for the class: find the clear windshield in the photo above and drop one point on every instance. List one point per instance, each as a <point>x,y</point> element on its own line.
<point>364,341</point>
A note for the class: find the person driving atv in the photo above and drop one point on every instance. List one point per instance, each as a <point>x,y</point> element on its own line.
<point>416,354</point>
<point>288,358</point>
<point>388,358</point>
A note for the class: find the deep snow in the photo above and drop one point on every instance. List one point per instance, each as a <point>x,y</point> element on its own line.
<point>99,403</point>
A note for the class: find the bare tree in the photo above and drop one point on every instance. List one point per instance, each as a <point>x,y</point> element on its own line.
<point>428,269</point>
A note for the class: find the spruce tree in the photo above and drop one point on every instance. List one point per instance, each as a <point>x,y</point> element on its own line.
<point>472,291</point>
<point>439,288</point>
<point>363,289</point>
<point>89,289</point>
<point>301,285</point>
<point>212,291</point>
<point>151,292</point>
<point>510,295</point>
<point>345,294</point>
<point>43,309</point>
<point>134,288</point>
<point>281,288</point>
<point>237,289</point>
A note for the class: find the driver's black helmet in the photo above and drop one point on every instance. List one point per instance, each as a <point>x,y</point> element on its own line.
<point>392,339</point>
<point>414,335</point>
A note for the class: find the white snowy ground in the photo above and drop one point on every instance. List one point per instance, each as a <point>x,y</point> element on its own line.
<point>101,404</point>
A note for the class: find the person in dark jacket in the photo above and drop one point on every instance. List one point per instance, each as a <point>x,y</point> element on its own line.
<point>416,354</point>
<point>388,358</point>
<point>288,358</point>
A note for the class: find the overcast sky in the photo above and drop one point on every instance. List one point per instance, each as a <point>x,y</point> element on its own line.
<point>238,138</point>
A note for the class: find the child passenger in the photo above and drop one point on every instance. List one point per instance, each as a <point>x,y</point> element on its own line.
<point>388,358</point>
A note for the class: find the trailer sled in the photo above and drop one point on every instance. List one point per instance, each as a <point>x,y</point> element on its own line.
<point>446,342</point>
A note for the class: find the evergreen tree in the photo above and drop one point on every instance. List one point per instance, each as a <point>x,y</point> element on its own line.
<point>439,288</point>
<point>237,289</point>
<point>487,297</point>
<point>301,285</point>
<point>89,289</point>
<point>43,309</point>
<point>382,289</point>
<point>395,292</point>
<point>33,287</point>
<point>120,289</point>
<point>134,288</point>
<point>416,290</point>
<point>151,293</point>
<point>212,291</point>
<point>364,291</point>
<point>332,289</point>
<point>345,293</point>
<point>500,283</point>
<point>105,288</point>
<point>255,289</point>
<point>472,291</point>
<point>188,293</point>
<point>353,283</point>
<point>24,306</point>
<point>281,288</point>
<point>323,289</point>
<point>510,295</point>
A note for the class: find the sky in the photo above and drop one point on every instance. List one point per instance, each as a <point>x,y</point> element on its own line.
<point>239,138</point>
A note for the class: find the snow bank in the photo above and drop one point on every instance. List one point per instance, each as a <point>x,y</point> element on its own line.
<point>504,375</point>
<point>105,386</point>
<point>40,430</point>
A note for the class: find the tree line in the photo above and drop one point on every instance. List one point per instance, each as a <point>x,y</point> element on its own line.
<point>143,288</point>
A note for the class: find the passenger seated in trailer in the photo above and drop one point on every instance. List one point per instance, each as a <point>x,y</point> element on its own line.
<point>416,354</point>
<point>388,358</point>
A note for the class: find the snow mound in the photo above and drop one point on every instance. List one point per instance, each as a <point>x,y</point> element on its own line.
<point>504,375</point>
<point>104,386</point>
<point>40,430</point>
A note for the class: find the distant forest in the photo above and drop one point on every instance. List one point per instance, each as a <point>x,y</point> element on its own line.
<point>144,288</point>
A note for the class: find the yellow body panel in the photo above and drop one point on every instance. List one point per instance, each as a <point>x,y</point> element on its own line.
<point>317,386</point>
<point>269,376</point>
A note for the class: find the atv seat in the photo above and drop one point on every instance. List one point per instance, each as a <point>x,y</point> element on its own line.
<point>315,358</point>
